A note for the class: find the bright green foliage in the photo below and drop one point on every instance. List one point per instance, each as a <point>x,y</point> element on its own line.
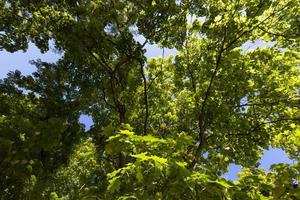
<point>164,128</point>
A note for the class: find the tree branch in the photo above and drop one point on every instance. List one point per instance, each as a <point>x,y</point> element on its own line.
<point>254,27</point>
<point>145,98</point>
<point>201,120</point>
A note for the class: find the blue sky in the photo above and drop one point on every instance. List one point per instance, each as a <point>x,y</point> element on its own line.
<point>20,61</point>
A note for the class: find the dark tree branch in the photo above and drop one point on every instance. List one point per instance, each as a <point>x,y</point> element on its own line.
<point>201,120</point>
<point>159,73</point>
<point>241,32</point>
<point>223,48</point>
<point>145,98</point>
<point>100,61</point>
<point>105,100</point>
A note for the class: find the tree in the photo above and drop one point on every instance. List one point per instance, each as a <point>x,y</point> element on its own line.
<point>164,128</point>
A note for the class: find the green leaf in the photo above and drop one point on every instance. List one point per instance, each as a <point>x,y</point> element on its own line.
<point>223,183</point>
<point>114,184</point>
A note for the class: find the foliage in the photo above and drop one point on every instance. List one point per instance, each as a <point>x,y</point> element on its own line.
<point>164,128</point>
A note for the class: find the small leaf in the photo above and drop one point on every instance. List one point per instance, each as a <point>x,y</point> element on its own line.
<point>223,183</point>
<point>114,184</point>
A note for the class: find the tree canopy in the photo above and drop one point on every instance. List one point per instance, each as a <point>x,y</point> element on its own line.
<point>165,127</point>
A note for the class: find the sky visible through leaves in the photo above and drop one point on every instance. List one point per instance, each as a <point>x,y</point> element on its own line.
<point>20,61</point>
